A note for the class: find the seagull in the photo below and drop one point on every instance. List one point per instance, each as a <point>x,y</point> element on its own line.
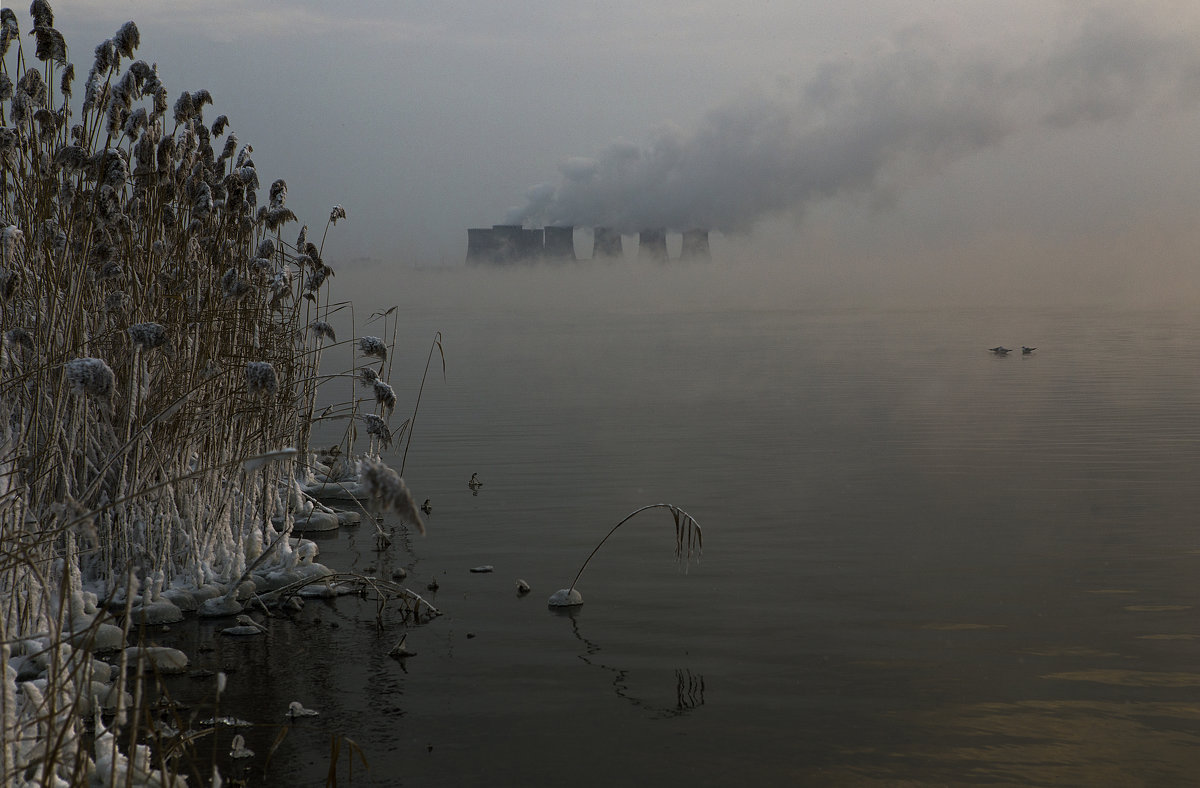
<point>474,484</point>
<point>1025,351</point>
<point>1000,350</point>
<point>426,507</point>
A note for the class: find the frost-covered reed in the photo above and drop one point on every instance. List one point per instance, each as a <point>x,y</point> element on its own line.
<point>161,342</point>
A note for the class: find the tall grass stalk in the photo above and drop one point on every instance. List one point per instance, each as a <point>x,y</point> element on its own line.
<point>689,542</point>
<point>156,332</point>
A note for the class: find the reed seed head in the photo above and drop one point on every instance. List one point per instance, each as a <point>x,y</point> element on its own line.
<point>50,45</point>
<point>278,194</point>
<point>261,378</point>
<point>377,428</point>
<point>20,337</point>
<point>388,492</point>
<point>11,238</point>
<point>321,330</point>
<point>147,335</point>
<point>384,395</point>
<point>277,217</point>
<point>367,376</point>
<point>42,15</point>
<point>106,57</point>
<point>9,29</point>
<point>184,109</point>
<point>127,39</point>
<point>338,212</point>
<point>233,286</point>
<point>67,80</point>
<point>316,279</point>
<point>373,347</point>
<point>90,377</point>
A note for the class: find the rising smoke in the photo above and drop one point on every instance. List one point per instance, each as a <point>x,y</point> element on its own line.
<point>908,109</point>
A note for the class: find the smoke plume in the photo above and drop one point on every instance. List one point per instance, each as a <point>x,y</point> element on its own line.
<point>906,110</point>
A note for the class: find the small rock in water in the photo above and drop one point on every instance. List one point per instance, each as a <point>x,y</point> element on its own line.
<point>566,597</point>
<point>522,587</point>
<point>245,626</point>
<point>296,709</point>
<point>399,573</point>
<point>400,650</point>
<point>482,569</point>
<point>238,748</point>
<point>160,658</point>
<point>219,606</point>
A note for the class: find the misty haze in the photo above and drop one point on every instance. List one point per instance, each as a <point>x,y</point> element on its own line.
<point>339,344</point>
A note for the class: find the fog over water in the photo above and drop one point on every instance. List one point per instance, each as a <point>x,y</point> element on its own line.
<point>924,563</point>
<point>1003,139</point>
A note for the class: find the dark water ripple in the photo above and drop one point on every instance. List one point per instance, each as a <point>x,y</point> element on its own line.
<point>923,564</point>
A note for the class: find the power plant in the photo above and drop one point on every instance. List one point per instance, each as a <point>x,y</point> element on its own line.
<point>504,244</point>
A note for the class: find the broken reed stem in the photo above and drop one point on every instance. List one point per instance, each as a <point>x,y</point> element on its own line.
<point>688,537</point>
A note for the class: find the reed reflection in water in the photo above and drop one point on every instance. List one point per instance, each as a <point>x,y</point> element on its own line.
<point>924,564</point>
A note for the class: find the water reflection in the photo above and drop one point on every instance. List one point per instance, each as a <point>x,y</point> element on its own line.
<point>689,686</point>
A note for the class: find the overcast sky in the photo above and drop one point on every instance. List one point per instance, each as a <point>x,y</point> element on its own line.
<point>1027,138</point>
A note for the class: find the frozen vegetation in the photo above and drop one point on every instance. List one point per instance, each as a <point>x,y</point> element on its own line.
<point>161,334</point>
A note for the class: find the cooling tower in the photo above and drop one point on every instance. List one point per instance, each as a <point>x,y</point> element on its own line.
<point>508,242</point>
<point>652,245</point>
<point>607,244</point>
<point>560,244</point>
<point>481,245</point>
<point>532,242</point>
<point>695,245</point>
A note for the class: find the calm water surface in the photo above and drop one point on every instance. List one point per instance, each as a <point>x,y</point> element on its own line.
<point>923,564</point>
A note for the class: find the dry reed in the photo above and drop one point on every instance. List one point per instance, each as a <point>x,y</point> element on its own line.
<point>158,377</point>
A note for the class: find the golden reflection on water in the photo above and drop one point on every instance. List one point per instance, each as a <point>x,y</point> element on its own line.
<point>1130,678</point>
<point>1069,651</point>
<point>1051,742</point>
<point>1156,608</point>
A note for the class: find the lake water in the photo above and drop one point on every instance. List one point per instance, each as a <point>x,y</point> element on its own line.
<point>923,564</point>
